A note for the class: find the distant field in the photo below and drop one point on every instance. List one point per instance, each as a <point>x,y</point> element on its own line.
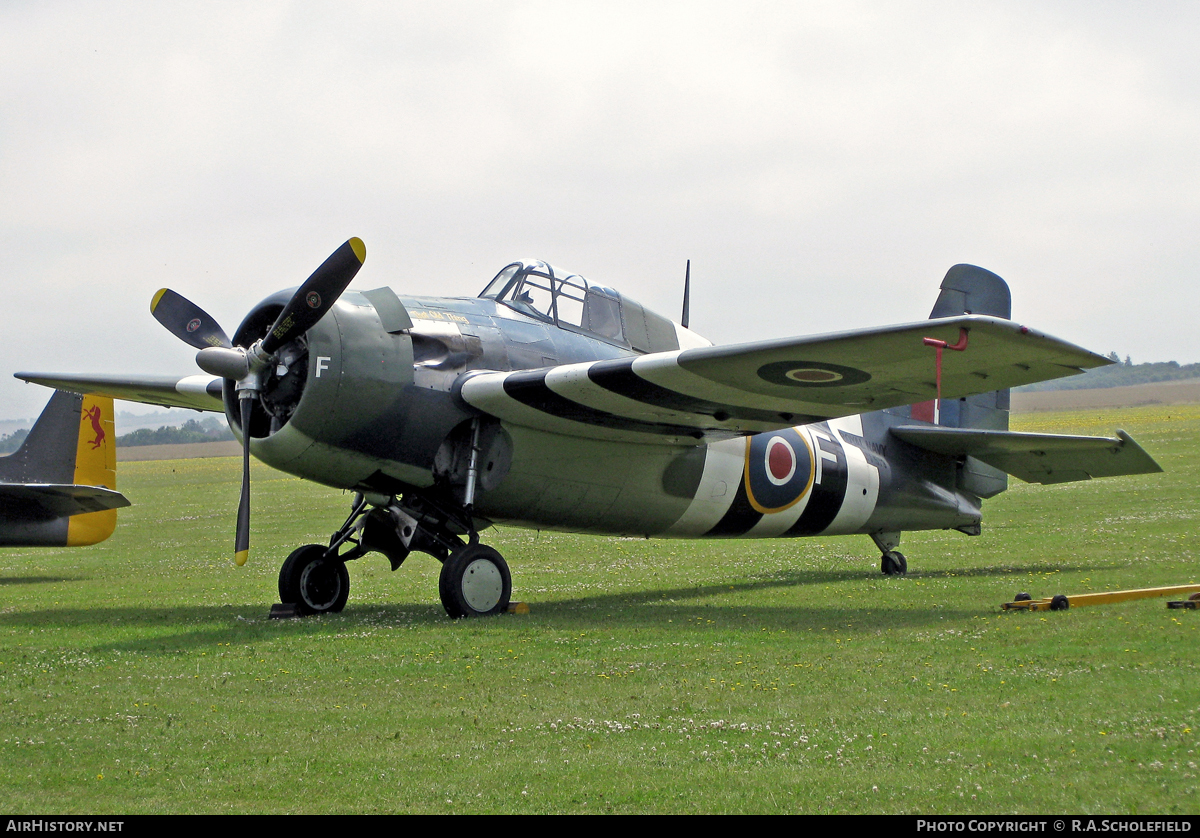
<point>142,675</point>
<point>1167,392</point>
<point>184,451</point>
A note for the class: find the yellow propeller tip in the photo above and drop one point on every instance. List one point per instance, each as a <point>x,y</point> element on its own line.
<point>157,296</point>
<point>240,557</point>
<point>360,249</point>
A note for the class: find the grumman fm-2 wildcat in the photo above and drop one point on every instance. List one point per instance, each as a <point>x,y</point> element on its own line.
<point>552,402</point>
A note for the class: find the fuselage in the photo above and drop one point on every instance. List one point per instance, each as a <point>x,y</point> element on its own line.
<point>368,401</point>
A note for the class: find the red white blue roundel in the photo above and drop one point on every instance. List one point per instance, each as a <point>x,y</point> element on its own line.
<point>779,470</point>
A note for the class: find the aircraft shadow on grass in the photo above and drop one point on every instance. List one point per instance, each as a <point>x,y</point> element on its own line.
<point>39,580</point>
<point>645,609</point>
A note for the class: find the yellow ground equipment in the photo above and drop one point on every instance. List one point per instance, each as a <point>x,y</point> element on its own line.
<point>1024,602</point>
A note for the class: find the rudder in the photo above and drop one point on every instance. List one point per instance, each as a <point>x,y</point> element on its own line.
<point>95,465</point>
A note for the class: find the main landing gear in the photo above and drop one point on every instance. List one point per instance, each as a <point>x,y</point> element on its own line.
<point>314,582</point>
<point>474,582</point>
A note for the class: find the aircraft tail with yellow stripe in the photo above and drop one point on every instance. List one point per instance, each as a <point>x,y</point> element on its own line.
<point>59,489</point>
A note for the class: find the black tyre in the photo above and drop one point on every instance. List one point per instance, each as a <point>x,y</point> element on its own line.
<point>893,563</point>
<point>1060,603</point>
<point>1022,597</point>
<point>315,584</point>
<point>475,582</point>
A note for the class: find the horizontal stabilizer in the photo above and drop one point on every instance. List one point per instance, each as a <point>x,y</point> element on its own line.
<point>43,501</point>
<point>1036,458</point>
<point>722,391</point>
<point>198,392</point>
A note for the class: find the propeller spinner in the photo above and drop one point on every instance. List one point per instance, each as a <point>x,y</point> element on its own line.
<point>246,366</point>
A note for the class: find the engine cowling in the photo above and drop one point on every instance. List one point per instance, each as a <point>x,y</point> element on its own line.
<point>340,407</point>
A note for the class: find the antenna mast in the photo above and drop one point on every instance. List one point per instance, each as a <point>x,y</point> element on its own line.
<point>687,294</point>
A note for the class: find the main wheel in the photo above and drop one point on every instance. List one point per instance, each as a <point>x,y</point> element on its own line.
<point>316,584</point>
<point>475,582</point>
<point>893,563</point>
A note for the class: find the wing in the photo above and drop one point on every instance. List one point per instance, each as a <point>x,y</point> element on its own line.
<point>1037,458</point>
<point>43,501</point>
<point>198,392</point>
<point>722,391</point>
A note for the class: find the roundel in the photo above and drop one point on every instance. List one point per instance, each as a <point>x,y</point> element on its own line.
<point>779,469</point>
<point>811,374</point>
<point>193,324</point>
<point>313,299</point>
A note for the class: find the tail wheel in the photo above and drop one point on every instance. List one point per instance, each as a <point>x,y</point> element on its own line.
<point>893,563</point>
<point>475,582</point>
<point>316,584</point>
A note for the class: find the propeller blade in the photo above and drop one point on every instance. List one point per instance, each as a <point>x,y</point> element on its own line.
<point>241,540</point>
<point>186,320</point>
<point>218,356</point>
<point>317,295</point>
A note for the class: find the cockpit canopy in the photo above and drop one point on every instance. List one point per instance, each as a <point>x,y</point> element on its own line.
<point>565,299</point>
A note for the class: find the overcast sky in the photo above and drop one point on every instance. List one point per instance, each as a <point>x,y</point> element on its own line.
<point>821,164</point>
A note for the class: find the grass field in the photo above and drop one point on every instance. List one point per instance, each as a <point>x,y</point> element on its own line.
<point>142,675</point>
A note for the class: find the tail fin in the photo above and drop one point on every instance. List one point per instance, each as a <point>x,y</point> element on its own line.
<point>48,453</point>
<point>71,446</point>
<point>971,290</point>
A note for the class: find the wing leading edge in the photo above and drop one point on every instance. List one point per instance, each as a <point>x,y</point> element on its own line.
<point>198,392</point>
<point>723,391</point>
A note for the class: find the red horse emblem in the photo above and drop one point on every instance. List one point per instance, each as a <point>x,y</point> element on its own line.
<point>94,414</point>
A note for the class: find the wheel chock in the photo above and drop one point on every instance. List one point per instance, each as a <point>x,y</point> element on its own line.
<point>518,608</point>
<point>283,611</point>
<point>1062,602</point>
